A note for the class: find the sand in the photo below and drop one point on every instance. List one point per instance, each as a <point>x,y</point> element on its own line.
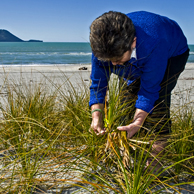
<point>36,73</point>
<point>49,76</point>
<point>183,92</point>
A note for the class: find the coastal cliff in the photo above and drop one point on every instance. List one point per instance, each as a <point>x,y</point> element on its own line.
<point>6,36</point>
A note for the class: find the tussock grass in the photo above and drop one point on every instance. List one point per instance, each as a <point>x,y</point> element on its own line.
<point>45,143</point>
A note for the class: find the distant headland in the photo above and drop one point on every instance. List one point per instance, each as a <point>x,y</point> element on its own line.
<point>6,36</point>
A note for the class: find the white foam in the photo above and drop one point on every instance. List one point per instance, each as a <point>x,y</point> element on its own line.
<point>78,54</point>
<point>45,53</point>
<point>42,65</point>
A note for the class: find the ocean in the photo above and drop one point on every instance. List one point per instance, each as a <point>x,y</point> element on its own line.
<point>44,53</point>
<point>50,53</point>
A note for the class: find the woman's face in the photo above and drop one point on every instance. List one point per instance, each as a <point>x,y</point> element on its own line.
<point>126,56</point>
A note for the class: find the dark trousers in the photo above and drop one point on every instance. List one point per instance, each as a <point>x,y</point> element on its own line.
<point>159,119</point>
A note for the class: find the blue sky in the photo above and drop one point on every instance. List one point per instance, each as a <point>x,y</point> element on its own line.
<point>69,20</point>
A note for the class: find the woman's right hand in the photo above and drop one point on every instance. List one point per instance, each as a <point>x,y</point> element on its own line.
<point>97,119</point>
<point>97,124</point>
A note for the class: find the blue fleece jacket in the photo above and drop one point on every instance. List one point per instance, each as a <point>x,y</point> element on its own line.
<point>158,39</point>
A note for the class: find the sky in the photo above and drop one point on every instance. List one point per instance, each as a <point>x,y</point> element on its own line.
<point>69,20</point>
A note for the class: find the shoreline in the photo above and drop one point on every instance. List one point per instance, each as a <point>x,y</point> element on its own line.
<point>43,68</point>
<point>77,77</point>
<point>53,67</point>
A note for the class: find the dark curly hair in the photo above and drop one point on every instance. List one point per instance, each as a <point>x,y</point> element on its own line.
<point>111,35</point>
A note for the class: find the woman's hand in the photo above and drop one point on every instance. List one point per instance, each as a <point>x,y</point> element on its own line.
<point>131,129</point>
<point>97,124</point>
<point>97,119</point>
<point>134,127</point>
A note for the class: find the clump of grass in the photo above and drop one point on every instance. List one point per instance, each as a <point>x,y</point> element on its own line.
<point>115,113</point>
<point>28,120</point>
<point>183,138</point>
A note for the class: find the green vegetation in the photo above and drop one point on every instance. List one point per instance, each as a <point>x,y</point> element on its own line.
<point>45,144</point>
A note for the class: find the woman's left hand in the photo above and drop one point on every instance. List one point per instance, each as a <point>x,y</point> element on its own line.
<point>133,128</point>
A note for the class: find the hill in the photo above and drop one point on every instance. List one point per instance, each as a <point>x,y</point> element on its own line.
<point>6,36</point>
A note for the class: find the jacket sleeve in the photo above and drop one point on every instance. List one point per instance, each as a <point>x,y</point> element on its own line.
<point>99,76</point>
<point>152,75</point>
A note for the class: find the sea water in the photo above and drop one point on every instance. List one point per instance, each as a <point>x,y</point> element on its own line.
<point>44,53</point>
<point>50,53</point>
<point>191,54</point>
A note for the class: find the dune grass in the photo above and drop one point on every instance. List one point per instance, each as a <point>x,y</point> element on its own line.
<point>45,143</point>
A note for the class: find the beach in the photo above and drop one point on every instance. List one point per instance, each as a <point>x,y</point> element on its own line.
<point>52,71</point>
<point>78,75</point>
<point>183,92</point>
<point>50,76</point>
